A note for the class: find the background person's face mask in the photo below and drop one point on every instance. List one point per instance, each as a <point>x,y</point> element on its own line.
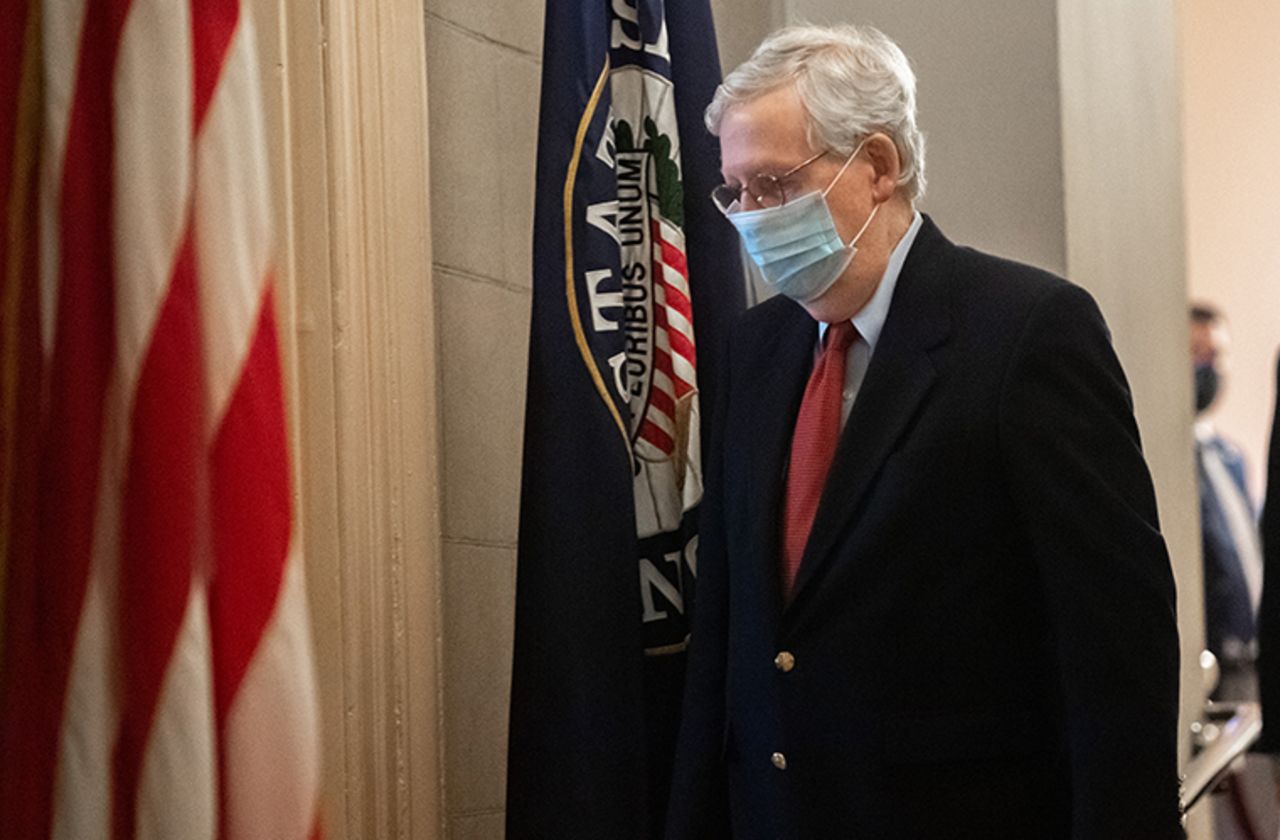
<point>1206,386</point>
<point>796,246</point>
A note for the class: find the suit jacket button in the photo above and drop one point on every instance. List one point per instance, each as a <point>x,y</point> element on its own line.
<point>779,760</point>
<point>784,661</point>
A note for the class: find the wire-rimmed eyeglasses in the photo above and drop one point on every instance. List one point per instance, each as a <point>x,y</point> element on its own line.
<point>766,191</point>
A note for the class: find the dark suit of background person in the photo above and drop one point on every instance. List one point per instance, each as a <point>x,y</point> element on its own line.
<point>1228,605</point>
<point>1269,615</point>
<point>981,641</point>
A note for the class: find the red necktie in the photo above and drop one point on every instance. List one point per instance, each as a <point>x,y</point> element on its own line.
<point>813,446</point>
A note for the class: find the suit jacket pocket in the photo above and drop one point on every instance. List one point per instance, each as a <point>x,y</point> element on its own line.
<point>964,736</point>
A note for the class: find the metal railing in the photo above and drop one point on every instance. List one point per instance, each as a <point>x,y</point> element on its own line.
<point>1226,734</point>
<point>1221,738</point>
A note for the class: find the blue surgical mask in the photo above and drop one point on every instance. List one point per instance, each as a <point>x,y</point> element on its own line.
<point>796,246</point>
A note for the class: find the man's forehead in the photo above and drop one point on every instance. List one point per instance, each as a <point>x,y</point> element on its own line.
<point>763,133</point>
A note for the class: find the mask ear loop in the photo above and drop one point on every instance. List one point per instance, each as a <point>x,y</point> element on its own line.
<point>848,161</point>
<point>874,209</point>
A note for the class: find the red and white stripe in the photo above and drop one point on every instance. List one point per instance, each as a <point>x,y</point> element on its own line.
<point>156,678</point>
<point>675,360</point>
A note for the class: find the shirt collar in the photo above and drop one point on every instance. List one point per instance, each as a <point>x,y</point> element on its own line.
<point>869,320</point>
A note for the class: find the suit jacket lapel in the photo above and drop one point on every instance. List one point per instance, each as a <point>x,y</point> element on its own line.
<point>783,366</point>
<point>901,373</point>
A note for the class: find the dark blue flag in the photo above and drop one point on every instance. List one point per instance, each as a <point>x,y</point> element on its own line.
<point>636,279</point>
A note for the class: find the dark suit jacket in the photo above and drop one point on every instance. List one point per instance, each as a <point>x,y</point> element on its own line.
<point>983,627</point>
<point>1269,613</point>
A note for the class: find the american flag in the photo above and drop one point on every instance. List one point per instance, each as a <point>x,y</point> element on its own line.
<point>675,358</point>
<point>155,659</point>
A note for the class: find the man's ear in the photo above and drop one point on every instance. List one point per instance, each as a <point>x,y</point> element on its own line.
<point>882,154</point>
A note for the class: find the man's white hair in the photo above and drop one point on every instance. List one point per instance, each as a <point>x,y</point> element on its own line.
<point>852,81</point>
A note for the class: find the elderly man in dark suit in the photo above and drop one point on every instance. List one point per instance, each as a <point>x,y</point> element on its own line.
<point>933,597</point>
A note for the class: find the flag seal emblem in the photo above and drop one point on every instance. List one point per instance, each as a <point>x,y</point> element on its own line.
<point>631,304</point>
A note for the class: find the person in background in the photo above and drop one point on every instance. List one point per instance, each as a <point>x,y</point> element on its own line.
<point>1232,549</point>
<point>1269,616</point>
<point>1233,571</point>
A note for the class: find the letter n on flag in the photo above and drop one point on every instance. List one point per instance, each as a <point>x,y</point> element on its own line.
<point>156,676</point>
<point>636,279</point>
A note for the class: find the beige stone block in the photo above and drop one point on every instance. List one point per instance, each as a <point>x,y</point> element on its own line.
<point>515,23</point>
<point>484,342</point>
<point>479,612</point>
<point>483,117</point>
<point>478,827</point>
<point>740,27</point>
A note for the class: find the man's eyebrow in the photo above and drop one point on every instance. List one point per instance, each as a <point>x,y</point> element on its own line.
<point>759,169</point>
<point>775,168</point>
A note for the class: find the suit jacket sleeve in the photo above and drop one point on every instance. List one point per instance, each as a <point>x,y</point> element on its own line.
<point>1269,614</point>
<point>1082,489</point>
<point>698,807</point>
